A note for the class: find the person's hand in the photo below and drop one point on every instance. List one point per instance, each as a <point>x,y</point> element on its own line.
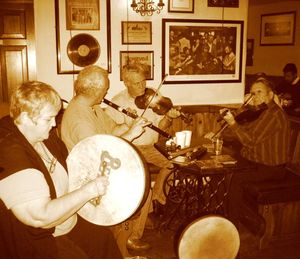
<point>101,183</point>
<point>97,188</point>
<point>137,128</point>
<point>209,135</point>
<point>227,116</point>
<point>128,120</point>
<point>173,113</point>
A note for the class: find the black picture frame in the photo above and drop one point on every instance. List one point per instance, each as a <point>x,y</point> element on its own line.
<point>60,46</point>
<point>136,32</point>
<point>212,71</point>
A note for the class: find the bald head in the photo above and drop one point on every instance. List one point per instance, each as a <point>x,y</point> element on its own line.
<point>90,80</point>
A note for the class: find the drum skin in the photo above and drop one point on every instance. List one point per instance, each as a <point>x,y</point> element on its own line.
<point>209,237</point>
<point>128,176</point>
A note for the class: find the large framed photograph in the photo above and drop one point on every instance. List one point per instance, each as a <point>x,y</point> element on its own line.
<point>75,49</point>
<point>181,6</point>
<point>278,29</point>
<point>82,15</point>
<point>136,32</point>
<point>201,51</point>
<point>142,58</point>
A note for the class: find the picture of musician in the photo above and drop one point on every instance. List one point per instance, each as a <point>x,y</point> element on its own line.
<point>289,90</point>
<point>265,142</point>
<point>229,60</point>
<point>84,117</point>
<point>135,85</point>
<point>206,63</point>
<point>37,213</point>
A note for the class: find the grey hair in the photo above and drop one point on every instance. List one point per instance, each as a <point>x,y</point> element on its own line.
<point>128,69</point>
<point>31,97</point>
<point>90,79</point>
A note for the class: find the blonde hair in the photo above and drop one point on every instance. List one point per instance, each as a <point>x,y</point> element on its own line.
<point>90,79</point>
<point>31,97</point>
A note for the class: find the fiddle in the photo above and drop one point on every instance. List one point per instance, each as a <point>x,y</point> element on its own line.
<point>134,116</point>
<point>159,104</point>
<point>246,113</point>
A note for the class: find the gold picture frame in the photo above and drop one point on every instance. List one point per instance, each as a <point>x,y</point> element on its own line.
<point>278,29</point>
<point>82,15</point>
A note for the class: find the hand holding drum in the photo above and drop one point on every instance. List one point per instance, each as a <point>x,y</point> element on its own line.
<point>112,169</point>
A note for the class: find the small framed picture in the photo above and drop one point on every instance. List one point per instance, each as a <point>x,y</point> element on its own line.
<point>134,32</point>
<point>82,15</point>
<point>278,29</point>
<point>143,58</point>
<point>250,48</point>
<point>181,6</point>
<point>223,3</point>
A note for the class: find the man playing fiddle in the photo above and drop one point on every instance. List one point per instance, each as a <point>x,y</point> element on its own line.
<point>265,142</point>
<point>135,83</point>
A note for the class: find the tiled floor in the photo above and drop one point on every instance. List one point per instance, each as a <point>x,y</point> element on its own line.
<point>163,247</point>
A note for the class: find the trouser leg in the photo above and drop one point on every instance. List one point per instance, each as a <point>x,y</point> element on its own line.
<point>96,241</point>
<point>138,223</point>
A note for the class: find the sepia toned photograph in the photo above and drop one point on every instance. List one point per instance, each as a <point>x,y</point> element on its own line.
<point>136,32</point>
<point>202,50</point>
<point>143,58</point>
<point>278,29</point>
<point>223,3</point>
<point>82,15</point>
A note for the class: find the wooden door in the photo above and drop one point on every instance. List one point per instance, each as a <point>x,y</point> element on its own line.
<point>17,45</point>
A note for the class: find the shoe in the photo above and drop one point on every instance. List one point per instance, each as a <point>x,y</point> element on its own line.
<point>137,244</point>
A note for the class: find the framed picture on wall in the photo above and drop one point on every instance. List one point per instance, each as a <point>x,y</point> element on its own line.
<point>77,48</point>
<point>201,51</point>
<point>250,48</point>
<point>82,15</point>
<point>143,58</point>
<point>136,32</point>
<point>223,3</point>
<point>278,29</point>
<point>181,6</point>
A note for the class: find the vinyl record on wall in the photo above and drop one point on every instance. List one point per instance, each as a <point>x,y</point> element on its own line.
<point>83,50</point>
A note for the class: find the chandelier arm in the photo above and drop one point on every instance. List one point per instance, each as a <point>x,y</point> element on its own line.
<point>147,7</point>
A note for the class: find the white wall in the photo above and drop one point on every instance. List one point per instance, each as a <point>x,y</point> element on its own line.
<point>271,59</point>
<point>180,94</point>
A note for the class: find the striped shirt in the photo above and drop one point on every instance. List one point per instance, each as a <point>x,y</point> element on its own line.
<point>267,139</point>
